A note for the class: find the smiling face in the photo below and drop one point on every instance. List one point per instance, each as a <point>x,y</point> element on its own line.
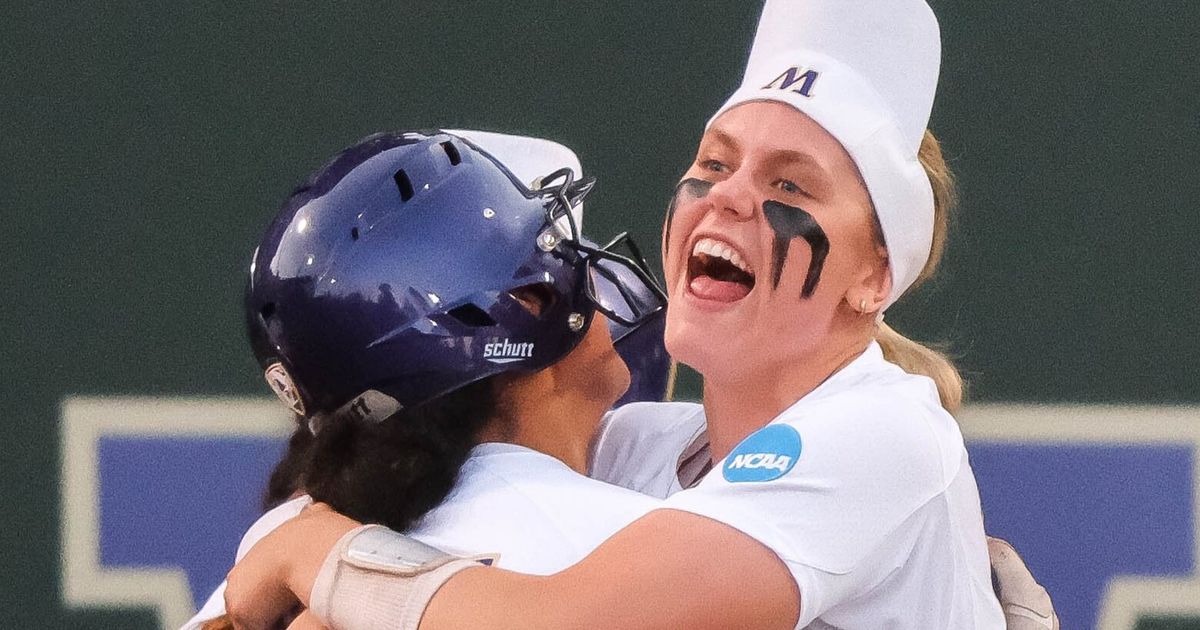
<point>770,247</point>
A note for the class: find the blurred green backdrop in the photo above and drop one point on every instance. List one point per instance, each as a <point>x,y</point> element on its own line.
<point>144,147</point>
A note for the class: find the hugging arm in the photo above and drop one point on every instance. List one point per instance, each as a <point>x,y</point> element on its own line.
<point>669,569</point>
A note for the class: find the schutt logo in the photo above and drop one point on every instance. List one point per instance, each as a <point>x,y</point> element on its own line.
<point>507,352</point>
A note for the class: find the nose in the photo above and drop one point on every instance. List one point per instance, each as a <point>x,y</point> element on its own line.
<point>734,196</point>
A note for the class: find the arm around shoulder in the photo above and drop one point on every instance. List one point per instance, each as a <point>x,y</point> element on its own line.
<point>669,569</point>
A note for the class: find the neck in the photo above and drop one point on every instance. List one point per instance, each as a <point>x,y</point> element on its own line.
<point>556,421</point>
<point>741,403</point>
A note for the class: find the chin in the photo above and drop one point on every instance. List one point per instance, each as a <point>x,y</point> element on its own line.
<point>702,348</point>
<point>616,382</point>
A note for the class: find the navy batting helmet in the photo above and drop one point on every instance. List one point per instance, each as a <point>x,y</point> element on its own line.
<point>642,347</point>
<point>651,370</point>
<point>388,278</point>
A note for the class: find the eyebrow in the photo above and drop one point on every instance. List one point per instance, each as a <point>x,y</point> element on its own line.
<point>817,180</point>
<point>720,137</point>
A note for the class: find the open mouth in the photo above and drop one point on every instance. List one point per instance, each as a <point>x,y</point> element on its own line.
<point>718,272</point>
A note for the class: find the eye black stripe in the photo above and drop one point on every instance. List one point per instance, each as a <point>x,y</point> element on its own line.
<point>788,222</point>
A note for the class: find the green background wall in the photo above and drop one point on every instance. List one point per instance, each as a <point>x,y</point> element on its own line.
<point>143,148</point>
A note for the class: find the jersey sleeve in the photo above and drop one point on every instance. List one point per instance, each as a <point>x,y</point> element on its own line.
<point>214,606</point>
<point>638,445</point>
<point>830,487</point>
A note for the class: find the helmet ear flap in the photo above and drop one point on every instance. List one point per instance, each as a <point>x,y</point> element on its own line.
<point>280,382</point>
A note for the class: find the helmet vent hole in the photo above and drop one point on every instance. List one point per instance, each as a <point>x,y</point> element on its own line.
<point>472,316</point>
<point>267,311</point>
<point>404,185</point>
<point>354,233</point>
<point>536,298</point>
<point>452,153</point>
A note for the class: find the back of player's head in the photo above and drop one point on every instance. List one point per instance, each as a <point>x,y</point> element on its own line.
<point>394,275</point>
<point>403,275</point>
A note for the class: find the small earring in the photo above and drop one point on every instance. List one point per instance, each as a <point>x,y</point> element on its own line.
<point>862,306</point>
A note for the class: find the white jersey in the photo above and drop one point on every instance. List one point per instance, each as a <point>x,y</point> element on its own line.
<point>647,447</point>
<point>532,510</point>
<point>862,488</point>
<point>215,605</point>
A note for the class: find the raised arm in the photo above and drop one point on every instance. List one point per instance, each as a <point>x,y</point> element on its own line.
<point>669,569</point>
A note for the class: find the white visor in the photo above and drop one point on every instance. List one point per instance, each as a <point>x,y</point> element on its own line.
<point>866,71</point>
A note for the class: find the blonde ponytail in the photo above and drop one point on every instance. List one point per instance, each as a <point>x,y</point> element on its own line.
<point>913,357</point>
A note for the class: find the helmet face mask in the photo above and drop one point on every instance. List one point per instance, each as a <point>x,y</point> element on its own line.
<point>619,281</point>
<point>391,276</point>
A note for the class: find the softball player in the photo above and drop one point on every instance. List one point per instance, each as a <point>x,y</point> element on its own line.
<point>448,361</point>
<point>841,494</point>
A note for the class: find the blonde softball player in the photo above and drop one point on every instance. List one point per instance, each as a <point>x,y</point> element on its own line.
<point>452,369</point>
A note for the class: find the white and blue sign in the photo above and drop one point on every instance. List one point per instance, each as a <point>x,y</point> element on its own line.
<point>767,454</point>
<point>1102,502</point>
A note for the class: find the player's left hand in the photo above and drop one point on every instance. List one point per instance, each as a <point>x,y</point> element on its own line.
<point>306,621</point>
<point>279,571</point>
<point>1026,604</point>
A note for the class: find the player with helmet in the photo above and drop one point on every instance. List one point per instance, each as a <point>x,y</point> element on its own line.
<point>840,494</point>
<point>439,327</point>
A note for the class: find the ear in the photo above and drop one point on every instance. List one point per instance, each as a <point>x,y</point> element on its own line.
<point>870,290</point>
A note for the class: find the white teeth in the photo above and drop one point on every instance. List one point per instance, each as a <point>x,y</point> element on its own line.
<point>712,247</point>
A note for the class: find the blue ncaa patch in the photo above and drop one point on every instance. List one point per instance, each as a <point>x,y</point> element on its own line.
<point>767,454</point>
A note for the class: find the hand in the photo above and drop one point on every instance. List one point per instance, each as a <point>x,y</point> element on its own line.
<point>1025,603</point>
<point>306,621</point>
<point>278,572</point>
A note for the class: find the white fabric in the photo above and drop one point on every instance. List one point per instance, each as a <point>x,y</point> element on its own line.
<point>879,519</point>
<point>533,510</point>
<point>215,605</point>
<point>530,508</point>
<point>360,593</point>
<point>639,445</point>
<point>876,64</point>
<point>528,158</point>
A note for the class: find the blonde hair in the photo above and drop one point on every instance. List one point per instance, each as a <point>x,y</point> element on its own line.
<point>911,356</point>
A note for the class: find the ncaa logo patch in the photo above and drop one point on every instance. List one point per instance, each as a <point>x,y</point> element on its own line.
<point>767,454</point>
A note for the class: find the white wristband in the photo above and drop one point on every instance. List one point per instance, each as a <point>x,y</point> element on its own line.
<point>378,579</point>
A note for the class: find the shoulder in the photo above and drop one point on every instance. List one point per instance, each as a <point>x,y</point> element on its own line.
<point>545,481</point>
<point>892,423</point>
<point>270,521</point>
<point>541,516</point>
<point>835,476</point>
<point>638,445</point>
<point>214,606</point>
<point>650,419</point>
<point>643,428</point>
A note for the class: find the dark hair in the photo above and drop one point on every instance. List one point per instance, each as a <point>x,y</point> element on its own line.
<point>287,478</point>
<point>430,445</point>
<point>393,472</point>
<point>390,472</point>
